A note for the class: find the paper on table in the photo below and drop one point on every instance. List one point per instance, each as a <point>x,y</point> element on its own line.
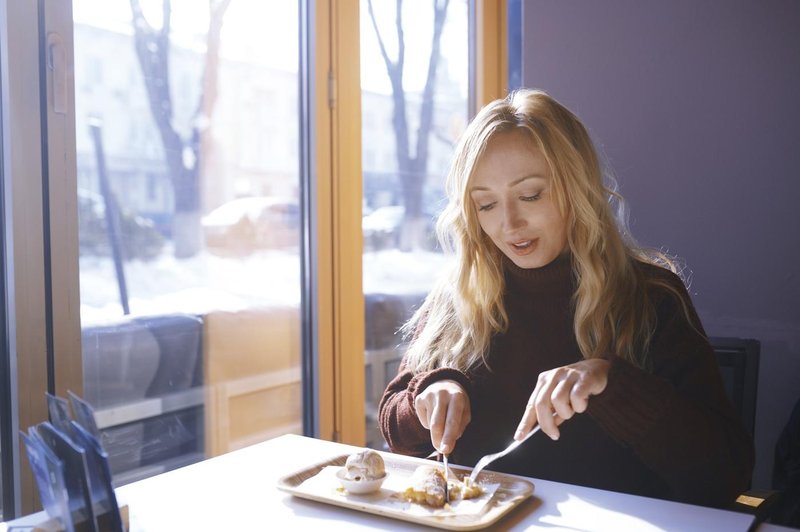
<point>325,484</point>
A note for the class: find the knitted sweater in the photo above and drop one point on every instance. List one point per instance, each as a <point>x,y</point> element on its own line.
<point>669,432</point>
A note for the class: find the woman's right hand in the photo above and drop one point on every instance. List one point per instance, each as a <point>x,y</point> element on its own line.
<point>443,408</point>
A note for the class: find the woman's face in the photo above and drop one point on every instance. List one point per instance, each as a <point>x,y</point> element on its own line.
<point>511,191</point>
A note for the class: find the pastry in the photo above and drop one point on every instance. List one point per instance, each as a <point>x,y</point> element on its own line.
<point>466,489</point>
<point>427,487</point>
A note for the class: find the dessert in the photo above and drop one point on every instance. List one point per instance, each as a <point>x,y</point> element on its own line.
<point>427,486</point>
<point>363,473</point>
<point>365,465</point>
<point>466,489</point>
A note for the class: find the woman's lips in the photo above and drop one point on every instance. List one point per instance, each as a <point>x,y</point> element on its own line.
<point>523,247</point>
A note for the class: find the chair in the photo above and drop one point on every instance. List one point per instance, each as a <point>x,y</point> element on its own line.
<point>786,472</point>
<point>738,360</point>
<point>144,377</point>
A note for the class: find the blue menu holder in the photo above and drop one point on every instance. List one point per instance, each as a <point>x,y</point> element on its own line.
<point>75,473</point>
<point>104,500</point>
<point>48,471</point>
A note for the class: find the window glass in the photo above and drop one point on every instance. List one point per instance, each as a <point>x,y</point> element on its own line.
<point>413,114</point>
<point>187,138</point>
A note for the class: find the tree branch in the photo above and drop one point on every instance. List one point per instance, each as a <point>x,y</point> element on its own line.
<point>401,41</point>
<point>166,17</point>
<point>426,111</point>
<point>202,141</point>
<point>395,72</point>
<point>390,66</point>
<point>208,99</point>
<point>152,49</point>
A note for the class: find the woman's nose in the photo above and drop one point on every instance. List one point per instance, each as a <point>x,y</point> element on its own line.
<point>512,218</point>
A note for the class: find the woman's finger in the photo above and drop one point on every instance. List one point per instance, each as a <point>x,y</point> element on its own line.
<point>579,399</point>
<point>529,418</point>
<point>593,378</point>
<point>544,403</point>
<point>561,398</point>
<point>437,421</point>
<point>421,406</point>
<point>453,425</point>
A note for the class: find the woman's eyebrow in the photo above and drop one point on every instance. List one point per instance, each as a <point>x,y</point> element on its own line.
<point>478,188</point>
<point>525,178</point>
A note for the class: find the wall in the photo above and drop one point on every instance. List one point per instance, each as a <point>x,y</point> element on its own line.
<point>695,105</point>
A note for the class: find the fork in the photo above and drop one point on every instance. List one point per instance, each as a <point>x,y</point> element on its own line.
<point>489,458</point>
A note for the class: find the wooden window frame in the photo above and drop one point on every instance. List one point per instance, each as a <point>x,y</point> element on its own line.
<point>339,190</point>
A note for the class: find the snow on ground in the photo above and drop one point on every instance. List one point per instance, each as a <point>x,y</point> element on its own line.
<point>397,272</point>
<point>210,282</point>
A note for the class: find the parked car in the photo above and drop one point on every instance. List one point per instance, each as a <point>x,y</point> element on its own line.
<point>243,225</point>
<point>382,228</point>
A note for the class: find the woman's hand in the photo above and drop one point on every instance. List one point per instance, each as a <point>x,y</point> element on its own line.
<point>443,408</point>
<point>561,393</point>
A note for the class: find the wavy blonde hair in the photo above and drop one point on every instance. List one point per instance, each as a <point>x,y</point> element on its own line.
<point>613,312</point>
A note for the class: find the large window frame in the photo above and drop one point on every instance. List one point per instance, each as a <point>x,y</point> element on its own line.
<point>41,266</point>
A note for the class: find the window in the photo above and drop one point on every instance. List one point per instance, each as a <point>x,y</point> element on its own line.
<point>189,240</point>
<point>413,114</point>
<point>228,236</point>
<point>185,329</point>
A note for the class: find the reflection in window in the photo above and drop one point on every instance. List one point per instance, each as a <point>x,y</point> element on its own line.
<point>414,83</point>
<point>189,234</point>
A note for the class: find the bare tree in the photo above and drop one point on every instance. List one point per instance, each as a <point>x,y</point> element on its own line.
<point>412,168</point>
<point>185,157</point>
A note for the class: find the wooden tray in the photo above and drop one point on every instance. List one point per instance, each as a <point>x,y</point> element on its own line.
<point>510,492</point>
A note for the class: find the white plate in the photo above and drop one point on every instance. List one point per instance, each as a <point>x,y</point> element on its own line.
<point>510,492</point>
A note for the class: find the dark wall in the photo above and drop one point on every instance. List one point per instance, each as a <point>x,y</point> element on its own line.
<point>696,106</point>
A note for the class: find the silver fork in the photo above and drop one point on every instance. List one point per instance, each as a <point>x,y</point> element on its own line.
<point>489,458</point>
<point>446,479</point>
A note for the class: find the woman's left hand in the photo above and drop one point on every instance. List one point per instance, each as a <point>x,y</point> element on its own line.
<point>561,393</point>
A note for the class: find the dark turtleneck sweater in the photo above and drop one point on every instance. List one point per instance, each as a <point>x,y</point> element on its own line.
<point>669,432</point>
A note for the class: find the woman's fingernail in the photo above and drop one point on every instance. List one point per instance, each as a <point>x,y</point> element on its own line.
<point>444,448</point>
<point>519,434</point>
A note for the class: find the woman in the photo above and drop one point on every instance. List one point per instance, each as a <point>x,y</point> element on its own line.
<point>553,316</point>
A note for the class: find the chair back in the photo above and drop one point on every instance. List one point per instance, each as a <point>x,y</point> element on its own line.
<point>738,360</point>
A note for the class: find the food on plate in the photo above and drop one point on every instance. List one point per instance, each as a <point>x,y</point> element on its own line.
<point>427,486</point>
<point>363,473</point>
<point>465,489</point>
<point>364,465</point>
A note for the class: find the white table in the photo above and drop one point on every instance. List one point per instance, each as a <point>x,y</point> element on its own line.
<point>237,491</point>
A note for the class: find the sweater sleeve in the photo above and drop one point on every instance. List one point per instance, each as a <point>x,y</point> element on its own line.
<point>677,417</point>
<point>398,417</point>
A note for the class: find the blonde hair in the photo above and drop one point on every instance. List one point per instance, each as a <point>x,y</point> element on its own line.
<point>613,312</point>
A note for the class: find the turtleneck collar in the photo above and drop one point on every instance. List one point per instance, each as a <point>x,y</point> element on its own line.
<point>554,277</point>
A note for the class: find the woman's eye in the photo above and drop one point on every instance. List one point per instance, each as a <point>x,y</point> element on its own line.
<point>531,198</point>
<point>486,207</point>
